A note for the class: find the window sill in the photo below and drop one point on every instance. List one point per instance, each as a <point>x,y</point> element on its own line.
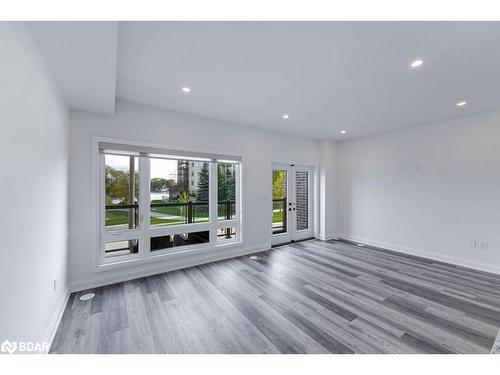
<point>169,255</point>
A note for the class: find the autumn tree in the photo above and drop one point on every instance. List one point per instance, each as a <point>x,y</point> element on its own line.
<point>279,184</point>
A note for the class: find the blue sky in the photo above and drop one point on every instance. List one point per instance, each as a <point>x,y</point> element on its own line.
<point>160,168</point>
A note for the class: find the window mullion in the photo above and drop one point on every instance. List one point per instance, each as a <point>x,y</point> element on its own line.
<point>144,211</point>
<point>102,207</point>
<point>213,204</point>
<point>238,202</point>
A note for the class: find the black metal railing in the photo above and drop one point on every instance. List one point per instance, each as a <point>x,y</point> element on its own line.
<point>279,209</point>
<point>190,212</point>
<point>227,233</point>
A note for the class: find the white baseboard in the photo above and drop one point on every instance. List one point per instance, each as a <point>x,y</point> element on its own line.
<point>421,253</point>
<point>213,256</point>
<point>56,318</point>
<point>327,237</point>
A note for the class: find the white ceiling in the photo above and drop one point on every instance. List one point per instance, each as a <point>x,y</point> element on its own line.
<point>82,57</point>
<point>327,76</point>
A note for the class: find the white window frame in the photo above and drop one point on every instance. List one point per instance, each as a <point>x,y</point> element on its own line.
<point>145,231</point>
<point>233,223</point>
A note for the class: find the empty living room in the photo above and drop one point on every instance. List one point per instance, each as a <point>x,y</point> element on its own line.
<point>223,185</point>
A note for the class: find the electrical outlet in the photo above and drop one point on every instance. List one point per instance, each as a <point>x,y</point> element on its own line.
<point>473,244</point>
<point>55,284</point>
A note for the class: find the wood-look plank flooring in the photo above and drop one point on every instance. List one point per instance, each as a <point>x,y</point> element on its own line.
<point>309,297</point>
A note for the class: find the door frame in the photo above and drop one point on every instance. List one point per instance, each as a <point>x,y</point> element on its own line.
<point>291,234</point>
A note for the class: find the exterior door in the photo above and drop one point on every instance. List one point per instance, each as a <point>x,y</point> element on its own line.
<point>292,216</point>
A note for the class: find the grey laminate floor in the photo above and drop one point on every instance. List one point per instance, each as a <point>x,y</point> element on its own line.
<point>311,297</point>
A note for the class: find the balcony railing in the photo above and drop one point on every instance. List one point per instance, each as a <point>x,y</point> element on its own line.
<point>279,216</point>
<point>167,213</point>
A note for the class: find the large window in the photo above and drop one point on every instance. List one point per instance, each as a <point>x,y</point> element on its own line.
<point>156,201</point>
<point>178,192</point>
<point>122,191</point>
<point>226,191</point>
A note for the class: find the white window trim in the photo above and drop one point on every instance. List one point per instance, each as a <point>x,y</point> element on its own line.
<point>143,234</point>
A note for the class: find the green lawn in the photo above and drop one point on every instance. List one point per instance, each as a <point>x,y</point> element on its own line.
<point>115,217</point>
<point>171,210</point>
<point>277,217</point>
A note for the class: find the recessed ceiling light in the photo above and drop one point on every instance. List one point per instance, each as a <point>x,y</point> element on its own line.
<point>186,89</point>
<point>462,103</point>
<point>361,245</point>
<point>87,296</point>
<point>285,117</point>
<point>416,63</point>
<point>343,131</point>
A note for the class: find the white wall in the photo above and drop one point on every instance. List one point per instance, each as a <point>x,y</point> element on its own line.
<point>428,190</point>
<point>328,190</point>
<point>33,189</point>
<point>148,124</point>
